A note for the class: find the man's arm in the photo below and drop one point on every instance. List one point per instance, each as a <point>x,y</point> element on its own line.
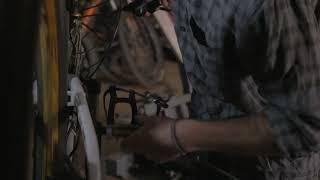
<point>250,135</point>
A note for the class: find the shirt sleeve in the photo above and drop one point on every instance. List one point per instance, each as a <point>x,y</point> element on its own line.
<point>296,133</point>
<point>283,59</point>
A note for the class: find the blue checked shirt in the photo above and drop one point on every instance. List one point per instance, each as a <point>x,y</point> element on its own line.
<point>248,56</point>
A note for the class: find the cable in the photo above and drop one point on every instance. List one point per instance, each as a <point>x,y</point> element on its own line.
<point>107,47</point>
<point>129,7</point>
<point>95,6</point>
<point>73,125</point>
<point>93,15</point>
<point>93,31</point>
<point>75,147</point>
<point>128,91</point>
<point>99,63</point>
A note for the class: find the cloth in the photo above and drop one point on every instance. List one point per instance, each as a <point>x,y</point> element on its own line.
<point>249,56</point>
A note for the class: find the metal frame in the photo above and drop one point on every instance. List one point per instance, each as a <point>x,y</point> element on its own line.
<point>91,145</point>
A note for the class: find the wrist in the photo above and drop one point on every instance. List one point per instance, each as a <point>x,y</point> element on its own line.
<point>185,130</point>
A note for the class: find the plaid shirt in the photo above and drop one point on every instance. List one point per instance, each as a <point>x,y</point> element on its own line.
<point>248,56</point>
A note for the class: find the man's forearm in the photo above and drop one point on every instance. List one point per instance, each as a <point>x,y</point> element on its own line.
<point>249,135</point>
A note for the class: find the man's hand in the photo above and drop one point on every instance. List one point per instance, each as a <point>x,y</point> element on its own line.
<point>153,140</point>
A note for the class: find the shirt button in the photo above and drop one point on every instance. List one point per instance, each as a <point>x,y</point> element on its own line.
<point>183,29</point>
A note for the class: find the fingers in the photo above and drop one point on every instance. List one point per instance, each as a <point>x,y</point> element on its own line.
<point>134,143</point>
<point>137,139</point>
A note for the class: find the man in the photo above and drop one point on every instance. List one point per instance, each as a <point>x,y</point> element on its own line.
<point>254,66</point>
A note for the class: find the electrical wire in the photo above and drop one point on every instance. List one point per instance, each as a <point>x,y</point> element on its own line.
<point>93,15</point>
<point>102,59</point>
<point>74,125</point>
<point>95,6</point>
<point>75,148</point>
<point>107,47</point>
<point>93,31</point>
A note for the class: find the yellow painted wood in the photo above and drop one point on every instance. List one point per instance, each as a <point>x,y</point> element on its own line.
<point>49,65</point>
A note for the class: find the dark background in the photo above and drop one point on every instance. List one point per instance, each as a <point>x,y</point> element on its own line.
<point>18,29</point>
